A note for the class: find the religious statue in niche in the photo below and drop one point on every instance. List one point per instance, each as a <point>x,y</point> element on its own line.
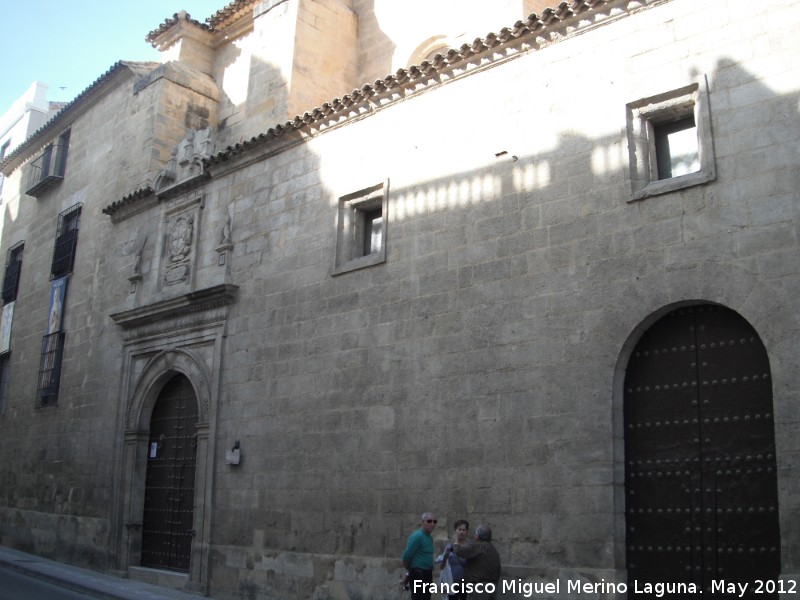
<point>137,264</point>
<point>186,159</point>
<point>225,240</point>
<point>225,236</point>
<point>180,234</point>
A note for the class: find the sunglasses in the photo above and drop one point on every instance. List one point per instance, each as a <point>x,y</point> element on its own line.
<point>434,521</point>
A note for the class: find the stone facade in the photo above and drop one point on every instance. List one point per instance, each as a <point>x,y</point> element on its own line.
<point>472,360</point>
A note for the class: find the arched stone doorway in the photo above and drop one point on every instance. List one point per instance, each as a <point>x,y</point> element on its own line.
<point>167,522</point>
<point>700,467</point>
<point>175,540</point>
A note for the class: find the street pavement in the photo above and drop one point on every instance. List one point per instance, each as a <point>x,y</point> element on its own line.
<point>86,583</point>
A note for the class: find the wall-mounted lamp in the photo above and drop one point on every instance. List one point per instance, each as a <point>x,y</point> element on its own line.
<point>234,455</point>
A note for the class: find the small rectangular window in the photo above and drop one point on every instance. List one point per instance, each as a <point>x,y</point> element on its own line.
<point>373,231</point>
<point>677,151</point>
<point>669,141</point>
<point>12,274</point>
<point>361,229</point>
<point>66,241</point>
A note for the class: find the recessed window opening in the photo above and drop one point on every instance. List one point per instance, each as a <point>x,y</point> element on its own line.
<point>670,143</point>
<point>361,229</point>
<point>50,369</point>
<point>12,274</point>
<point>66,242</point>
<point>677,150</point>
<point>373,231</point>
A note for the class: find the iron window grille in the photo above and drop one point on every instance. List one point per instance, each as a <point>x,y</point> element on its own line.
<point>49,167</point>
<point>13,270</point>
<point>66,242</point>
<point>3,381</point>
<point>50,369</point>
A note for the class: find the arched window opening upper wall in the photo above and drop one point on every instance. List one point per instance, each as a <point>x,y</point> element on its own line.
<point>506,12</point>
<point>437,44</point>
<point>393,35</point>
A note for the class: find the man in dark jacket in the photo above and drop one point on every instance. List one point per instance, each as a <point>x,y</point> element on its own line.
<point>483,564</point>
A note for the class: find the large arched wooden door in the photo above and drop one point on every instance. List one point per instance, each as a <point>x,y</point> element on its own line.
<point>167,525</point>
<point>700,467</point>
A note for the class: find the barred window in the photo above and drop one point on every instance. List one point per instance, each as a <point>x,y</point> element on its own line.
<point>50,369</point>
<point>47,170</point>
<point>66,241</point>
<point>3,381</point>
<point>13,270</point>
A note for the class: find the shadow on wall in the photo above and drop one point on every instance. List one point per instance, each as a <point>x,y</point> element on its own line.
<point>482,265</point>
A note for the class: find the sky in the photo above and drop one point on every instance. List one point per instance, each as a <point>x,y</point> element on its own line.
<point>69,44</point>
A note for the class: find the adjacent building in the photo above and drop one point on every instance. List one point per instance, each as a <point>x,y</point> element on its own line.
<point>27,114</point>
<point>332,264</point>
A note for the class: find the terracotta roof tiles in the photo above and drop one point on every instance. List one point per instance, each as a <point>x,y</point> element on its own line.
<point>219,20</point>
<point>429,73</point>
<point>131,198</point>
<point>171,22</point>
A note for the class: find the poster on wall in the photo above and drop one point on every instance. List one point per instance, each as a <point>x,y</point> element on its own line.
<point>5,327</point>
<point>58,288</point>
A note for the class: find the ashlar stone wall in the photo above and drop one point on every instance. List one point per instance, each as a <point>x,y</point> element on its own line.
<point>477,373</point>
<point>58,462</point>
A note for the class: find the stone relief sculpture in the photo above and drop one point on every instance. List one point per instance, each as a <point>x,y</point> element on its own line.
<point>186,159</point>
<point>167,175</point>
<point>179,245</point>
<point>180,238</point>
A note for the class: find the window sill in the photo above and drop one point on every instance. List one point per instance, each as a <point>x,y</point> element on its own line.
<point>360,263</point>
<point>664,186</point>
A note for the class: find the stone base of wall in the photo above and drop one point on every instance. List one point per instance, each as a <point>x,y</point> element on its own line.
<point>240,573</point>
<point>168,579</point>
<point>80,541</point>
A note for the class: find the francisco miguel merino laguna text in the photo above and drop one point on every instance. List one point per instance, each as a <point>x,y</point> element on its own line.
<point>528,589</point>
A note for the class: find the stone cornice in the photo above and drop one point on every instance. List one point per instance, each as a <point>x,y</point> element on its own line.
<point>173,308</point>
<point>130,205</point>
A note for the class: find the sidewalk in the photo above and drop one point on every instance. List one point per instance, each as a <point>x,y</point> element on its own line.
<point>84,581</point>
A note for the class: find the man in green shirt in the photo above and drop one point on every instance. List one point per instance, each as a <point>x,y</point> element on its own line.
<point>418,558</point>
